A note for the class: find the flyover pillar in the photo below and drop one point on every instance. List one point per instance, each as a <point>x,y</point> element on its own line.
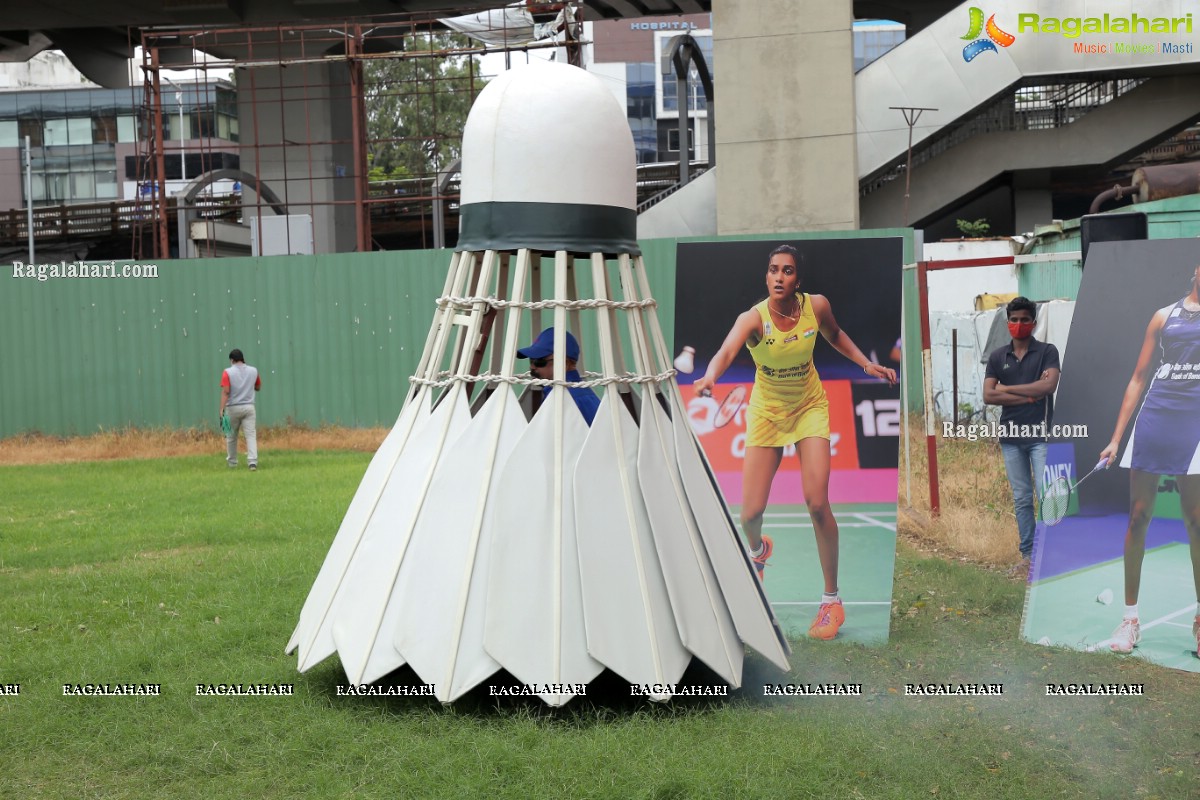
<point>786,149</point>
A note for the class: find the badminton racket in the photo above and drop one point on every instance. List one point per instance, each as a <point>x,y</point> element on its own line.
<point>1057,497</point>
<point>729,406</point>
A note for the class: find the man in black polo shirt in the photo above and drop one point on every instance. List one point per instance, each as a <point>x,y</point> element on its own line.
<point>1022,377</point>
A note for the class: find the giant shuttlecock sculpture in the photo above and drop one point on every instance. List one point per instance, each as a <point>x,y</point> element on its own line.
<point>493,532</point>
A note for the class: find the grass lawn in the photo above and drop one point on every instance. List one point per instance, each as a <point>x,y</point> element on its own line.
<point>178,571</point>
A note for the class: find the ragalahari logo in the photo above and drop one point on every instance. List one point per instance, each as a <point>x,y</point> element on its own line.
<point>995,36</point>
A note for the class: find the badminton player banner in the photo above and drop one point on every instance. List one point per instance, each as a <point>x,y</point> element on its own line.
<point>717,281</point>
<point>1134,327</point>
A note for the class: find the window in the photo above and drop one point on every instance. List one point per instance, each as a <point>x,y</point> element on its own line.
<point>104,130</point>
<point>106,184</point>
<point>31,128</point>
<point>79,130</point>
<point>55,132</point>
<point>673,139</point>
<point>203,123</point>
<point>874,39</point>
<point>665,84</point>
<point>83,186</point>
<point>126,129</point>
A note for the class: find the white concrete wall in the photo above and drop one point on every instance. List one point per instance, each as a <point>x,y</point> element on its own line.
<point>954,290</point>
<point>49,69</point>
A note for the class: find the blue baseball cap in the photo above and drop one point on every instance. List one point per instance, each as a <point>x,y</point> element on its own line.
<point>543,346</point>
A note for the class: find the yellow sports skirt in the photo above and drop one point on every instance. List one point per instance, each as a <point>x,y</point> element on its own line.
<point>781,426</point>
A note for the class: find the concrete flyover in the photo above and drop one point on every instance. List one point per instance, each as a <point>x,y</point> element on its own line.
<point>1108,134</point>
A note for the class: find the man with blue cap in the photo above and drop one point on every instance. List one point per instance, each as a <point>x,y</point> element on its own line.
<point>541,361</point>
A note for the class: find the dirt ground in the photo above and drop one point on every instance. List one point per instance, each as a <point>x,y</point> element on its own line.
<point>35,448</point>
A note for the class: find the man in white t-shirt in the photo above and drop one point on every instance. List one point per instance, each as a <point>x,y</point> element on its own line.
<point>238,385</point>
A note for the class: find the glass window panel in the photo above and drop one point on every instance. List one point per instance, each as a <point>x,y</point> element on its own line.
<point>57,187</point>
<point>126,129</point>
<point>9,136</point>
<point>104,130</point>
<point>55,132</point>
<point>77,103</point>
<point>55,160</point>
<point>103,102</point>
<point>29,105</point>
<point>173,124</point>
<point>53,104</point>
<point>203,122</point>
<point>79,130</point>
<point>83,186</point>
<point>81,161</point>
<point>129,101</point>
<point>106,184</point>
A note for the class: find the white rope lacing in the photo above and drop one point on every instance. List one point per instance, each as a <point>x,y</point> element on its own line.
<point>467,303</point>
<point>446,378</point>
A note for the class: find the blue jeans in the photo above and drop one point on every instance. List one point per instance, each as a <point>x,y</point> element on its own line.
<point>1025,465</point>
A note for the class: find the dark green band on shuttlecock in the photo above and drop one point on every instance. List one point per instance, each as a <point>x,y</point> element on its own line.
<point>548,227</point>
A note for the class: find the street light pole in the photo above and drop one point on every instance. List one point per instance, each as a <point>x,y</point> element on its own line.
<point>182,147</point>
<point>29,197</point>
<point>911,115</point>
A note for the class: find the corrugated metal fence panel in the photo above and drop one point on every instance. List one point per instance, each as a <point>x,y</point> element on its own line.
<point>659,257</point>
<point>334,336</point>
<point>1050,280</point>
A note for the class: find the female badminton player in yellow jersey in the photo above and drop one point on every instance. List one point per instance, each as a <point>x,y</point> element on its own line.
<point>788,406</point>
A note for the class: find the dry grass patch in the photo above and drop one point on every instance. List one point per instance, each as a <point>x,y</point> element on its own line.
<point>36,448</point>
<point>976,520</point>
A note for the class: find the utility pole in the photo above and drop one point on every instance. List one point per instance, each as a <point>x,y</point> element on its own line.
<point>911,115</point>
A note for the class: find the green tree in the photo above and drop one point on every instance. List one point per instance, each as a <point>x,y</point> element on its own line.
<point>417,105</point>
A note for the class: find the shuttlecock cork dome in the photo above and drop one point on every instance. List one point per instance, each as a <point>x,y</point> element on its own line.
<point>548,163</point>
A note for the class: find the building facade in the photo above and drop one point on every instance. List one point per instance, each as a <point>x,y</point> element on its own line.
<point>84,140</point>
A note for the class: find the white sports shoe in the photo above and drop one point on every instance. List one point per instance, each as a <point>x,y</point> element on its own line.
<point>1126,636</point>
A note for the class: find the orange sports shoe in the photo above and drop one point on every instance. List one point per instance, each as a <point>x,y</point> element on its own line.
<point>830,617</point>
<point>760,561</point>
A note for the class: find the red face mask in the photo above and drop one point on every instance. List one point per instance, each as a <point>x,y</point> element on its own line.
<point>1020,330</point>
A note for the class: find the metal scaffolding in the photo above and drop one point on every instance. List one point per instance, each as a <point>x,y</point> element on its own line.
<point>350,127</point>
